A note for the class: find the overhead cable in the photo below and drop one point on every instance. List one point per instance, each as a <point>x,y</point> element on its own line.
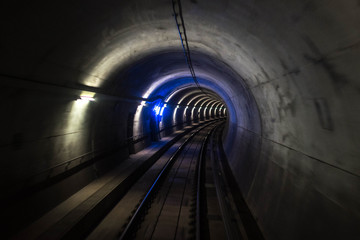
<point>177,12</point>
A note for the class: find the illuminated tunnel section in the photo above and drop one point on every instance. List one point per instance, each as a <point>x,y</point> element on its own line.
<point>178,102</point>
<point>174,101</point>
<point>167,81</point>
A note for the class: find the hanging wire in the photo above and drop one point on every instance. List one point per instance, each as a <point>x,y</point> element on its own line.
<point>177,12</point>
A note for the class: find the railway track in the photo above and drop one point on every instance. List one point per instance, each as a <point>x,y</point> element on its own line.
<point>171,205</point>
<point>182,194</point>
<point>188,199</point>
<point>169,184</point>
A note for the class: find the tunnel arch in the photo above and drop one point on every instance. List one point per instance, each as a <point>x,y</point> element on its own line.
<point>286,70</point>
<point>183,94</point>
<point>208,109</point>
<point>171,78</point>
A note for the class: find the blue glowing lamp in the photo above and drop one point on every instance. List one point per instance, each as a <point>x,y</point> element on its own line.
<point>159,110</point>
<point>156,110</point>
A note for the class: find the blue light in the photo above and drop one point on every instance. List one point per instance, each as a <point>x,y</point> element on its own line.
<point>156,110</point>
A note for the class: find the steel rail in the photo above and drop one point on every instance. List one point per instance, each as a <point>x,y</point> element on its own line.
<point>128,231</point>
<point>201,223</point>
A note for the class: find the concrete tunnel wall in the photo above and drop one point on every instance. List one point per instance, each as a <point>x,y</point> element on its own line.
<point>289,69</point>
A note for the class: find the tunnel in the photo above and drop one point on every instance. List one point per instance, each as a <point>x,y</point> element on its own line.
<point>87,84</point>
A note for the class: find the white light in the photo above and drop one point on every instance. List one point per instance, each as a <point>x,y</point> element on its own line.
<point>86,99</point>
<point>157,110</point>
<point>162,110</point>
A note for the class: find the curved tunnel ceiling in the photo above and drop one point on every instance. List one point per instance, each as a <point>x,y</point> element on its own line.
<point>164,75</point>
<point>286,71</point>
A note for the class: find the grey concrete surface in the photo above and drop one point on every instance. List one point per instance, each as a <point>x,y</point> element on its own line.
<point>288,72</point>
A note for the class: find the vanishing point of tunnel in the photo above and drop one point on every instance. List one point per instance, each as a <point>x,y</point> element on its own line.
<point>89,89</point>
